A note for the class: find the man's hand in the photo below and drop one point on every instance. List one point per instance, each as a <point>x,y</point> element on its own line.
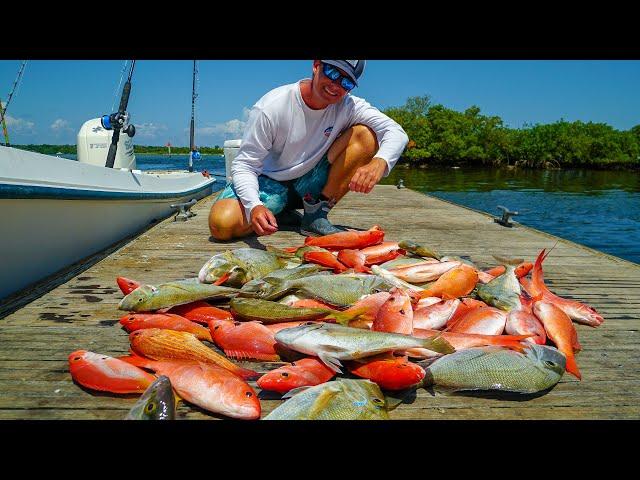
<point>367,176</point>
<point>262,221</point>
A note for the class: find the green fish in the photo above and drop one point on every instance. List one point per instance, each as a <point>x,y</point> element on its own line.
<point>237,267</point>
<point>419,250</point>
<point>342,399</point>
<point>157,402</point>
<point>260,286</point>
<point>337,290</point>
<point>502,292</point>
<point>332,343</point>
<point>266,311</point>
<point>147,298</point>
<point>496,368</point>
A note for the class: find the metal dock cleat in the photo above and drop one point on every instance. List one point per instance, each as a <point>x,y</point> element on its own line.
<point>400,184</point>
<point>184,210</point>
<point>506,214</point>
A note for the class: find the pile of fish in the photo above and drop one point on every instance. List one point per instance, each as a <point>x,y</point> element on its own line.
<point>356,320</point>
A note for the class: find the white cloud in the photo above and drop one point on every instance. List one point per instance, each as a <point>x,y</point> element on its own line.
<point>217,133</point>
<point>19,125</point>
<point>60,125</point>
<point>149,130</point>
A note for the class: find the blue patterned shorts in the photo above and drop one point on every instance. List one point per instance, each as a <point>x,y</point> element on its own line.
<point>276,195</point>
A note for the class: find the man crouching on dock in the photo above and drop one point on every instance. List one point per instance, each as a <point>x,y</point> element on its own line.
<point>306,145</point>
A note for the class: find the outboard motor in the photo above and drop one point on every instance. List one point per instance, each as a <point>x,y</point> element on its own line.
<point>93,146</point>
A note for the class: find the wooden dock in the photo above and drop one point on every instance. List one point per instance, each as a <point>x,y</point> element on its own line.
<point>81,313</point>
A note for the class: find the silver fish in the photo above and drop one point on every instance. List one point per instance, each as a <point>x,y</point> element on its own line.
<point>496,368</point>
<point>332,343</point>
<point>157,402</point>
<point>342,399</point>
<point>503,291</point>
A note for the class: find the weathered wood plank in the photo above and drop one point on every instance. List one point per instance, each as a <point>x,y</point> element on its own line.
<point>79,310</point>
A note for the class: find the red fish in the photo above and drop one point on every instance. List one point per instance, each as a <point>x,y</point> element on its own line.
<point>484,321</point>
<point>207,386</point>
<point>382,252</point>
<point>326,259</point>
<point>101,372</point>
<point>435,316</point>
<point>579,312</point>
<point>350,239</point>
<point>201,312</point>
<point>395,373</point>
<point>460,341</point>
<point>243,340</point>
<point>127,285</point>
<point>160,344</point>
<point>522,321</point>
<point>395,314</point>
<point>368,308</point>
<point>139,321</point>
<point>466,305</point>
<point>353,259</point>
<point>306,372</point>
<point>561,331</point>
<point>457,282</point>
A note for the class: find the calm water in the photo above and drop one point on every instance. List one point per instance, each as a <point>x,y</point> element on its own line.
<point>600,209</point>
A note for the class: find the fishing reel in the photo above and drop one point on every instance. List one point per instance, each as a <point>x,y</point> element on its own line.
<point>118,121</point>
<point>195,154</point>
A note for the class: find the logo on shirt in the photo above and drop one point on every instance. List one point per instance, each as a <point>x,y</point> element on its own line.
<point>327,132</point>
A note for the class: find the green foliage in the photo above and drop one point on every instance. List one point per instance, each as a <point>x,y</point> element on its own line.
<point>439,135</point>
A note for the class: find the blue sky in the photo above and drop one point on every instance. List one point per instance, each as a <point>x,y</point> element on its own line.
<point>56,97</point>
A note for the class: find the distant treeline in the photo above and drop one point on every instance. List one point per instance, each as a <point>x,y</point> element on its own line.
<point>138,149</point>
<point>439,135</point>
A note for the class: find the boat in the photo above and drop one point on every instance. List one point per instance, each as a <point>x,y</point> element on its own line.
<point>55,211</point>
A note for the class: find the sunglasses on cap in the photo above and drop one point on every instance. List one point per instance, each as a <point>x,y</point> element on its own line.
<point>334,74</point>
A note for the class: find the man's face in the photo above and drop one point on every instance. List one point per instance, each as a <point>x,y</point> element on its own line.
<point>330,91</point>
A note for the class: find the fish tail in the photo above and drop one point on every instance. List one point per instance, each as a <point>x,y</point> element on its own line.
<point>288,252</point>
<point>438,344</point>
<point>572,367</point>
<point>343,318</point>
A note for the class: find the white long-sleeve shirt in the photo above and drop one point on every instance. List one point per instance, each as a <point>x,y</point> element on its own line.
<point>284,138</point>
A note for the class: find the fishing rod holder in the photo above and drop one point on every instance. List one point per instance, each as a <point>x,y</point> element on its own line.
<point>506,214</point>
<point>118,121</point>
<point>183,210</point>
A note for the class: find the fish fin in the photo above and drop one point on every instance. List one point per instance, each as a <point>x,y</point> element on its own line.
<point>322,400</point>
<point>288,252</point>
<point>508,261</point>
<point>294,391</point>
<point>572,367</point>
<point>245,355</point>
<point>331,362</point>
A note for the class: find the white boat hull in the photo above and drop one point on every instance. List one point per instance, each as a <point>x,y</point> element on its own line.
<point>54,214</point>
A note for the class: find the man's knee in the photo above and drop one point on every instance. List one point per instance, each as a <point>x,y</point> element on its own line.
<point>364,138</point>
<point>225,219</point>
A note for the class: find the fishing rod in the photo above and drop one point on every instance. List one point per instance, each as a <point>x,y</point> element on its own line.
<point>3,110</point>
<point>193,153</point>
<point>119,120</point>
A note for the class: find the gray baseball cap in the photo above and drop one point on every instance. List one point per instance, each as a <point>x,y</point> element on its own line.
<point>353,68</point>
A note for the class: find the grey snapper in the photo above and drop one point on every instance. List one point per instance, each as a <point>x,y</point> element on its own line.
<point>147,298</point>
<point>342,399</point>
<point>496,368</point>
<point>503,291</point>
<point>332,343</point>
<point>336,290</point>
<point>157,402</point>
<point>261,286</point>
<point>240,266</point>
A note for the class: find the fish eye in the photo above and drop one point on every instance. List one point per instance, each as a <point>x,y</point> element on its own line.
<point>284,374</point>
<point>402,312</point>
<point>549,364</point>
<point>249,394</point>
<point>377,401</point>
<point>236,323</point>
<point>151,407</point>
<point>77,358</point>
<point>104,358</point>
<point>131,319</point>
<point>216,327</point>
<point>392,298</point>
<point>140,299</point>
